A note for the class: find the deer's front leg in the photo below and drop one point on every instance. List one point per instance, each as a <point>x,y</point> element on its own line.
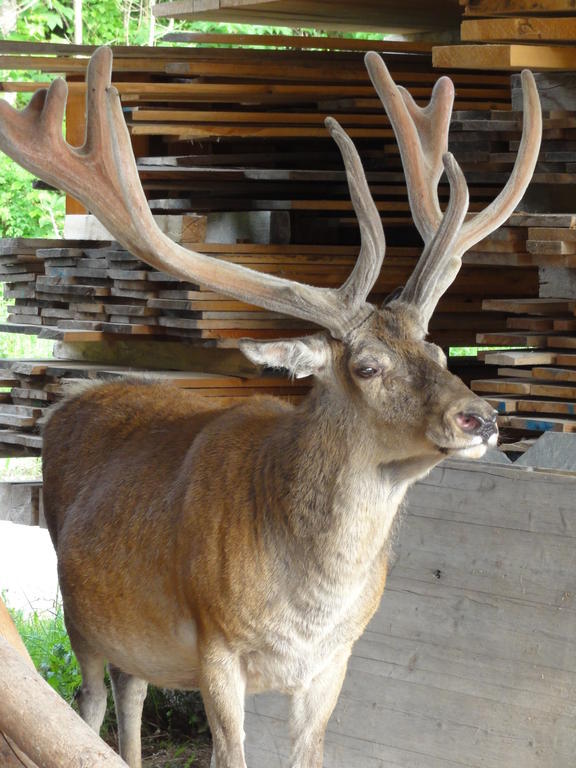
<point>311,710</point>
<point>223,688</point>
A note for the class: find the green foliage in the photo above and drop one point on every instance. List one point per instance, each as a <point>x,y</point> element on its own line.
<point>25,211</point>
<point>43,21</point>
<point>47,642</point>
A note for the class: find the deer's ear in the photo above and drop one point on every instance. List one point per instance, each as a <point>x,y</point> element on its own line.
<point>302,357</point>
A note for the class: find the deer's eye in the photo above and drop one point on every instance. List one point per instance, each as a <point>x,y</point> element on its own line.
<point>367,371</point>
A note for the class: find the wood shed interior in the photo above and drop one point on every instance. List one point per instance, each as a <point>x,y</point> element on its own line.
<point>469,653</point>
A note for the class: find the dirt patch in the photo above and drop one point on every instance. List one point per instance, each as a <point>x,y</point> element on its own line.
<point>165,750</point>
<point>159,752</point>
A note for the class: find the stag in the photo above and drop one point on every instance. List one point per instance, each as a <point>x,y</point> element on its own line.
<point>244,549</point>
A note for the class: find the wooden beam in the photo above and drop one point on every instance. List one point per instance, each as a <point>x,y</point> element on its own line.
<point>522,29</point>
<point>509,57</point>
<point>43,726</point>
<point>377,15</point>
<point>513,7</point>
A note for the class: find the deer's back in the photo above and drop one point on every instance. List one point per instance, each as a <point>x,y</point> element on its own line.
<point>125,440</point>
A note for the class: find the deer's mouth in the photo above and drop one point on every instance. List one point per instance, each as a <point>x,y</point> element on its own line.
<point>470,451</point>
<point>468,439</point>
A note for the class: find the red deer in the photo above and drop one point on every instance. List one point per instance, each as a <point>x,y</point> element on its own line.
<point>244,549</point>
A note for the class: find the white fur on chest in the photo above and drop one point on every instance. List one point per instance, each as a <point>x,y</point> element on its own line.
<point>317,615</point>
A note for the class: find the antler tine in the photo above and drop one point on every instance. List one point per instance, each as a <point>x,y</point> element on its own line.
<point>439,264</point>
<point>103,175</point>
<point>422,135</point>
<point>373,242</point>
<point>502,206</point>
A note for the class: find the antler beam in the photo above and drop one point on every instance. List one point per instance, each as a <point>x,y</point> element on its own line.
<point>422,135</point>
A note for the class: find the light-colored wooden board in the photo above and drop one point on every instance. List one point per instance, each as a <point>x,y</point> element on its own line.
<point>524,357</point>
<point>505,56</point>
<point>470,647</point>
<point>533,29</point>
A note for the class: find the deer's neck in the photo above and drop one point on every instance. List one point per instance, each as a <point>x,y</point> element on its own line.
<point>336,487</point>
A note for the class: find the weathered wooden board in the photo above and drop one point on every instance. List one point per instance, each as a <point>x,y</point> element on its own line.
<point>469,659</point>
<point>20,501</point>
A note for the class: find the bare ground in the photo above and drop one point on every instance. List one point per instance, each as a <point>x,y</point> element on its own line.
<point>160,750</point>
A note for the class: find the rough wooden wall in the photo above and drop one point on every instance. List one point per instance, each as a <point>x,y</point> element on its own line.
<point>471,658</point>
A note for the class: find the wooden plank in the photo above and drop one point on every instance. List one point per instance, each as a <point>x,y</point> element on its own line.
<point>552,233</point>
<point>500,386</point>
<point>539,423</point>
<point>68,65</point>
<point>539,340</point>
<point>563,359</point>
<point>508,57</point>
<point>565,408</point>
<point>297,42</point>
<point>144,114</point>
<point>562,28</point>
<point>524,357</point>
<point>206,130</point>
<point>530,324</point>
<point>368,15</point>
<point>530,306</point>
<point>554,374</point>
<point>558,220</point>
<point>511,7</point>
<point>563,342</point>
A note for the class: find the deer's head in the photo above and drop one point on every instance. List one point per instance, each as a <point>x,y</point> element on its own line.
<point>377,359</point>
<point>394,381</point>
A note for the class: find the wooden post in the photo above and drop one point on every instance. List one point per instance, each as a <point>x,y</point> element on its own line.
<point>10,755</point>
<point>37,727</point>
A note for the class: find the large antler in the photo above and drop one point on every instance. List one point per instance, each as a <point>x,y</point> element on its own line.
<point>102,174</point>
<point>422,135</point>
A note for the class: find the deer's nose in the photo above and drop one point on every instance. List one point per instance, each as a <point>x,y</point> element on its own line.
<point>474,423</point>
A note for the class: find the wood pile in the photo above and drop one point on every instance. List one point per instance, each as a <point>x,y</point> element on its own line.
<point>105,290</point>
<point>513,34</point>
<point>29,387</point>
<point>535,388</point>
<point>219,129</point>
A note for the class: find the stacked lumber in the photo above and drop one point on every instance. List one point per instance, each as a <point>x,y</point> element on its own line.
<point>87,291</point>
<point>534,390</point>
<point>486,145</point>
<point>547,241</point>
<point>513,34</point>
<point>29,387</point>
<point>242,129</point>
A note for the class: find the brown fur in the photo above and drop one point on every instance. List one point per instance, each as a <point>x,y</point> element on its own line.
<point>246,547</point>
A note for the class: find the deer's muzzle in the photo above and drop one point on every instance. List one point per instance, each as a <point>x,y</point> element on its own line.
<point>474,423</point>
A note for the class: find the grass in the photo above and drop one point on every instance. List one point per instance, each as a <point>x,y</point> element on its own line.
<point>47,642</point>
